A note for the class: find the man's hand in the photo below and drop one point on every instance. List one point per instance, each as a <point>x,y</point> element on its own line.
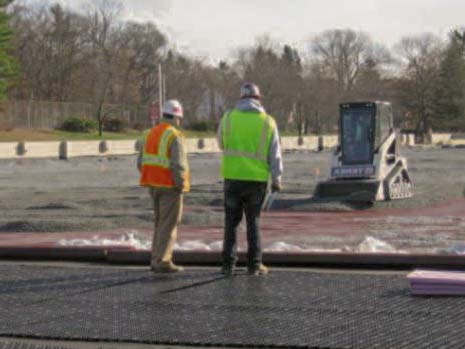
<point>275,187</point>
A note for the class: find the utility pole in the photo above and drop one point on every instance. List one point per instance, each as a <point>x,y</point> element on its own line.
<point>164,87</point>
<point>160,90</point>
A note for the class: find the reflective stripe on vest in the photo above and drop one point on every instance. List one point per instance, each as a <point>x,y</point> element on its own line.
<point>155,160</point>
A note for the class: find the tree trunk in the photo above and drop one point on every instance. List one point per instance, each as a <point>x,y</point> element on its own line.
<point>100,119</point>
<point>424,130</point>
<point>306,124</point>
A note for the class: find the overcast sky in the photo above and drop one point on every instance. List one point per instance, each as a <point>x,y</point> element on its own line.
<point>214,28</point>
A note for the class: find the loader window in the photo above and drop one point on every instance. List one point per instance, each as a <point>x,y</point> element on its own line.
<point>357,136</point>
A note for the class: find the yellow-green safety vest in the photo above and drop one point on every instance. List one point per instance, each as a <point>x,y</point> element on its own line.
<point>246,138</point>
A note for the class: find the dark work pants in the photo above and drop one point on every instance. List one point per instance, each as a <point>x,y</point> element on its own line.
<point>242,197</point>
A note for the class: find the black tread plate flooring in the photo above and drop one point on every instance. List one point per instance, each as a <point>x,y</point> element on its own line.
<point>284,309</point>
<point>24,345</point>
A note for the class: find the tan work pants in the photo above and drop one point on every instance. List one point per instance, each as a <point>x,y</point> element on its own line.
<point>167,208</point>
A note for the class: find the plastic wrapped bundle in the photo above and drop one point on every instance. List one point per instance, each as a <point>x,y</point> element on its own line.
<point>441,283</point>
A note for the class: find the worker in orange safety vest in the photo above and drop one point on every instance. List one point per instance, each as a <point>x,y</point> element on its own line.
<point>163,167</point>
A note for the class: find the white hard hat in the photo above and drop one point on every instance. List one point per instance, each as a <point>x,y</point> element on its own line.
<point>173,107</point>
<point>250,90</point>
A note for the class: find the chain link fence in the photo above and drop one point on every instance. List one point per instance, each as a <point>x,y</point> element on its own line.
<point>34,114</point>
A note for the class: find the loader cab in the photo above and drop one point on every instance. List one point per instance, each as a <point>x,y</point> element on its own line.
<point>363,128</point>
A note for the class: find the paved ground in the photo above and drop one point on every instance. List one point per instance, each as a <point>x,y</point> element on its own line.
<point>99,197</point>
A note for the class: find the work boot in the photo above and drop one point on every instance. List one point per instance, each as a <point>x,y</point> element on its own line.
<point>227,270</point>
<point>258,270</point>
<point>166,267</point>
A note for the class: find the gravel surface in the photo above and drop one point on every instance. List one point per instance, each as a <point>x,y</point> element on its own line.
<point>97,194</point>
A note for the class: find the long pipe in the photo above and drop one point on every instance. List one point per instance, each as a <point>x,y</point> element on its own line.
<point>202,258</point>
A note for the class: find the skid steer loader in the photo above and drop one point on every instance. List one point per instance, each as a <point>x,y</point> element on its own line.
<point>366,165</point>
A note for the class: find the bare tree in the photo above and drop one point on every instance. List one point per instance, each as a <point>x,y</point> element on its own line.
<point>186,81</point>
<point>420,59</point>
<point>106,42</point>
<point>320,98</point>
<point>343,65</point>
<point>344,53</point>
<point>142,52</point>
<point>264,65</point>
<point>450,90</point>
<point>227,84</point>
<point>30,42</point>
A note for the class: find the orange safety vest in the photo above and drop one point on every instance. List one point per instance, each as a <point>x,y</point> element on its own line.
<point>156,171</point>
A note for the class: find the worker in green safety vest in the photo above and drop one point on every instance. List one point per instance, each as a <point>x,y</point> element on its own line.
<point>249,139</point>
